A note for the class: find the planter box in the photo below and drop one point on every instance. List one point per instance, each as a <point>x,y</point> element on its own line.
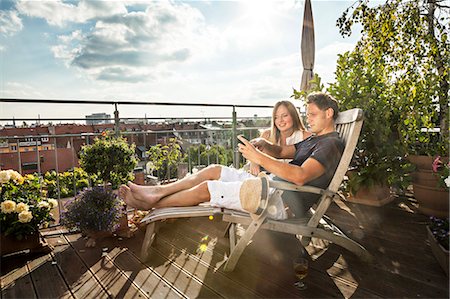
<point>376,196</point>
<point>432,201</point>
<point>439,252</point>
<point>31,242</point>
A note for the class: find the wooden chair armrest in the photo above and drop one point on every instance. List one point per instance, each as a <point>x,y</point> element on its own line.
<point>292,187</point>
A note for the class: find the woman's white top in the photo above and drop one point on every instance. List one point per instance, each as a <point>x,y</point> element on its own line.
<point>296,137</point>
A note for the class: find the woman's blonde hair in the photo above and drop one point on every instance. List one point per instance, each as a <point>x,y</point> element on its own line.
<point>297,123</point>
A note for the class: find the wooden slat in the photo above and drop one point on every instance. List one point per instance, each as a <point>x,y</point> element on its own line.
<point>80,280</point>
<point>258,260</point>
<point>16,283</point>
<point>98,260</point>
<point>148,280</point>
<point>44,274</point>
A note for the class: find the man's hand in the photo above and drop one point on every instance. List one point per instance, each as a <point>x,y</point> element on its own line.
<point>248,150</point>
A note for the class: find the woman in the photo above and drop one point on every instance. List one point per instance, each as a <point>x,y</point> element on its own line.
<point>287,128</point>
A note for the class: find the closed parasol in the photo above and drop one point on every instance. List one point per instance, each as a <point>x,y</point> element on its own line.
<point>307,46</point>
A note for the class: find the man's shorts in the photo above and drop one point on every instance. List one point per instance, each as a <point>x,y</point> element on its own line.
<point>225,192</point>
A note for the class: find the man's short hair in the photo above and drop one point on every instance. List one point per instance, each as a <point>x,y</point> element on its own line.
<point>323,101</point>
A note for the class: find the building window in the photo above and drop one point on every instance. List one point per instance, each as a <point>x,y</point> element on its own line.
<point>13,148</point>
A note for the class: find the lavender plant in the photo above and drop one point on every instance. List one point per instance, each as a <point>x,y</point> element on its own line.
<point>93,209</point>
<point>440,229</point>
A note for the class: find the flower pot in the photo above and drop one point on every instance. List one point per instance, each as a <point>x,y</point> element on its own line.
<point>376,195</point>
<point>425,178</point>
<point>421,161</point>
<point>439,252</point>
<point>432,201</point>
<point>31,242</point>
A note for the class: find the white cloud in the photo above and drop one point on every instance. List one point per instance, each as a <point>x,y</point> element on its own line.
<point>139,43</point>
<point>326,58</point>
<point>59,14</point>
<point>10,23</point>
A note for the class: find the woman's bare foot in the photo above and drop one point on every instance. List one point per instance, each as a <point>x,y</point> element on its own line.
<point>140,197</point>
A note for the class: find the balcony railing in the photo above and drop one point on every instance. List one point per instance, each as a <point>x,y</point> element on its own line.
<point>46,150</point>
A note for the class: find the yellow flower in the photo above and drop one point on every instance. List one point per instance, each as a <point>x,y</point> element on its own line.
<point>8,206</point>
<point>43,205</point>
<point>4,176</point>
<point>15,176</point>
<point>21,207</point>
<point>25,216</point>
<point>52,202</point>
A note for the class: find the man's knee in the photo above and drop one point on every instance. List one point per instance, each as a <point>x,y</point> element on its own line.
<point>202,191</point>
<point>212,172</point>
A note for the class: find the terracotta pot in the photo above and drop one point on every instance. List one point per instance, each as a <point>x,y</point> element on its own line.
<point>425,178</point>
<point>432,201</point>
<point>439,252</point>
<point>10,244</point>
<point>423,162</point>
<point>375,196</point>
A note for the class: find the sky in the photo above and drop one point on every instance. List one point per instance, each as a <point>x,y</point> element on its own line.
<point>228,52</point>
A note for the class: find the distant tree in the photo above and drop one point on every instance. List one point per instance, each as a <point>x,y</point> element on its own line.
<point>164,157</point>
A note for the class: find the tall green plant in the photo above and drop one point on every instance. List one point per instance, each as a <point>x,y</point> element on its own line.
<point>111,158</point>
<point>410,40</point>
<point>361,81</point>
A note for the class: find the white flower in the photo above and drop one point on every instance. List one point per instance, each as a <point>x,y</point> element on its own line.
<point>52,202</point>
<point>4,176</point>
<point>43,205</point>
<point>25,216</point>
<point>21,206</point>
<point>8,206</point>
<point>447,181</point>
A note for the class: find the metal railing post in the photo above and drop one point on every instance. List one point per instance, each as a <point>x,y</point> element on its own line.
<point>116,120</point>
<point>73,167</point>
<point>18,156</point>
<point>236,155</point>
<point>57,178</point>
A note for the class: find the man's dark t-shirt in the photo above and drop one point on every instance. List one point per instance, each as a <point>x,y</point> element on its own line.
<point>327,149</point>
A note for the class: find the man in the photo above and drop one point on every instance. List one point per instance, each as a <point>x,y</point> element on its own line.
<point>315,160</point>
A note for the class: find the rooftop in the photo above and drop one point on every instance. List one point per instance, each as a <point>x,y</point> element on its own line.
<point>395,234</point>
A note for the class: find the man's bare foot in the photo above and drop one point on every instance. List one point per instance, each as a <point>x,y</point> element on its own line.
<point>140,197</point>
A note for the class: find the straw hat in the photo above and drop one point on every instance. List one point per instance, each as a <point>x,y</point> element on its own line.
<point>254,195</point>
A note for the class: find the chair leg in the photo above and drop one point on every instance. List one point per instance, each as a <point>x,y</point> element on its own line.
<point>232,235</point>
<point>150,235</point>
<point>236,253</point>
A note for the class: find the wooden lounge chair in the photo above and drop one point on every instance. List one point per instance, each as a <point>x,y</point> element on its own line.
<point>348,125</point>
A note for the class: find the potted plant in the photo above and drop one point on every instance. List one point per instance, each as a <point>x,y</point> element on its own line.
<point>112,160</point>
<point>24,210</point>
<point>431,188</point>
<point>407,41</point>
<point>96,212</point>
<point>378,163</point>
<point>438,236</point>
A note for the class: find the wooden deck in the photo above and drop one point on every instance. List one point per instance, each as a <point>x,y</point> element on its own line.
<point>187,261</point>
